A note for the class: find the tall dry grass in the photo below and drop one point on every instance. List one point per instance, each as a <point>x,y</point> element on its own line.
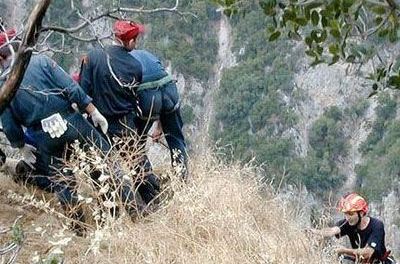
<point>223,215</point>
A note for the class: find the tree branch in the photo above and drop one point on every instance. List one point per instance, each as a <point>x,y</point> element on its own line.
<point>23,54</point>
<point>111,13</point>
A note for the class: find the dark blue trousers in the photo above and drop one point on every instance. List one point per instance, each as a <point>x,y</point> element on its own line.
<point>51,153</point>
<point>163,104</point>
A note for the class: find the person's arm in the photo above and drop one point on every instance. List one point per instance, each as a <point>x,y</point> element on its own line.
<point>358,253</point>
<point>72,90</point>
<point>327,231</point>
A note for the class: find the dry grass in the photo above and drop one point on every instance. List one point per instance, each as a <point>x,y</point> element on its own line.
<point>222,216</point>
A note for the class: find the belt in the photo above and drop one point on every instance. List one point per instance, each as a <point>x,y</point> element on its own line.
<point>155,84</point>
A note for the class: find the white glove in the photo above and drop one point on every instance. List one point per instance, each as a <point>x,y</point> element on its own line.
<point>28,154</point>
<point>99,119</point>
<point>55,125</point>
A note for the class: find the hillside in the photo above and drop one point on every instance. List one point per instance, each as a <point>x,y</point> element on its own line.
<point>223,216</point>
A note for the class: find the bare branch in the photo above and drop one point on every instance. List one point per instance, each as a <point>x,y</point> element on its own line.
<point>89,39</point>
<point>156,10</point>
<point>112,14</point>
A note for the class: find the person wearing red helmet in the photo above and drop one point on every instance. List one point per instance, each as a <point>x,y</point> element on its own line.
<point>366,233</point>
<point>111,76</point>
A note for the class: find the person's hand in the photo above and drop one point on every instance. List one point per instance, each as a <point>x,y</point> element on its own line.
<point>28,154</point>
<point>340,250</point>
<point>99,120</point>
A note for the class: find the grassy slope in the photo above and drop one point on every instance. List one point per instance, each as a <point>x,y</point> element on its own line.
<point>220,217</point>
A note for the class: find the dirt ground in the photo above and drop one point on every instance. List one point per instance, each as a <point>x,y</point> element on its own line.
<point>39,216</point>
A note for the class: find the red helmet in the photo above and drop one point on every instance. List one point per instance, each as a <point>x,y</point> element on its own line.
<point>127,30</point>
<point>8,34</point>
<point>352,202</point>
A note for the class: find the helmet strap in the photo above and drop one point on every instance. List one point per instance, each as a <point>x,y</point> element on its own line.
<point>359,219</point>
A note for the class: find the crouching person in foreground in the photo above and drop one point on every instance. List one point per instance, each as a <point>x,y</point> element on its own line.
<point>366,233</point>
<point>42,104</point>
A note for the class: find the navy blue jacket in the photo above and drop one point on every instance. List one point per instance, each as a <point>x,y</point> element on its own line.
<point>97,81</point>
<point>45,89</point>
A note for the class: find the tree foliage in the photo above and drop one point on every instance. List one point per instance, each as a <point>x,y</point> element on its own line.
<point>335,30</point>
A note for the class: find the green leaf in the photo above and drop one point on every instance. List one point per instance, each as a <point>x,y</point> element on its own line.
<point>333,49</point>
<point>357,12</point>
<point>268,7</point>
<point>324,21</point>
<point>394,80</point>
<point>308,41</point>
<point>346,4</point>
<point>271,29</point>
<point>319,50</point>
<point>378,20</point>
<point>383,33</point>
<point>289,15</point>
<point>315,18</point>
<point>310,53</point>
<point>335,33</point>
<point>380,73</point>
<point>301,21</point>
<point>274,36</point>
<point>379,10</point>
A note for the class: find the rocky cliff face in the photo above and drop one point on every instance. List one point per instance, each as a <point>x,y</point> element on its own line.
<point>326,86</point>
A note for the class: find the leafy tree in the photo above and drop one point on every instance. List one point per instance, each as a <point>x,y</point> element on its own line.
<point>334,30</point>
